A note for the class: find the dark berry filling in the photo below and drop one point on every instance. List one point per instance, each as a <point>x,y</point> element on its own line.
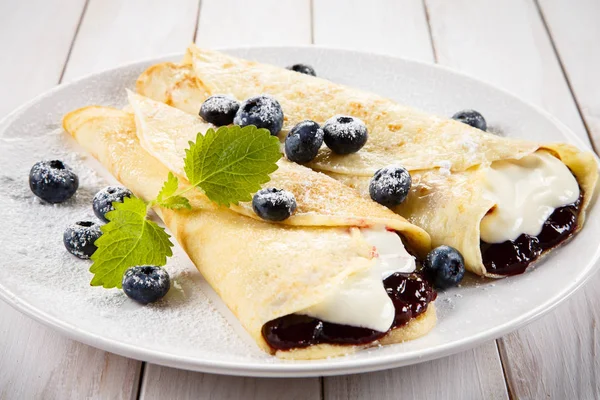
<point>410,293</point>
<point>514,256</point>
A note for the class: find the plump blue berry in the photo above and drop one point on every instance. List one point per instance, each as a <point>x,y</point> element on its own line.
<point>303,69</point>
<point>79,238</point>
<point>444,266</point>
<point>53,181</point>
<point>344,134</point>
<point>261,111</point>
<point>390,185</point>
<point>471,117</point>
<point>103,200</point>
<point>303,142</point>
<point>274,204</point>
<point>219,109</point>
<point>146,283</point>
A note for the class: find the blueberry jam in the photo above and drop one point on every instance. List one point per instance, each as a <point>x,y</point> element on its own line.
<point>410,293</point>
<point>514,256</point>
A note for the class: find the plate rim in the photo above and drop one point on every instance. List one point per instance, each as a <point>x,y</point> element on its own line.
<point>301,368</point>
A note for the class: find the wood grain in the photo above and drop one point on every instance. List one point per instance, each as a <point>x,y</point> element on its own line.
<point>400,28</point>
<point>36,362</point>
<point>392,27</point>
<point>233,23</point>
<point>259,22</point>
<point>506,43</point>
<point>34,46</point>
<point>115,32</point>
<point>575,30</point>
<point>502,42</point>
<point>474,374</point>
<point>163,383</point>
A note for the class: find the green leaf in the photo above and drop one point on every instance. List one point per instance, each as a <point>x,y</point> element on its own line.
<point>167,197</point>
<point>129,239</point>
<point>231,163</point>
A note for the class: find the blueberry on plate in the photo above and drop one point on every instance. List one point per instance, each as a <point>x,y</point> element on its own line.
<point>79,238</point>
<point>303,69</point>
<point>444,266</point>
<point>219,109</point>
<point>471,117</point>
<point>261,111</point>
<point>390,185</point>
<point>146,283</point>
<point>344,134</point>
<point>274,204</point>
<point>103,200</point>
<point>53,181</point>
<point>303,142</point>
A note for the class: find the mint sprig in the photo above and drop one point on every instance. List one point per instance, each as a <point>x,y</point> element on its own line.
<point>128,239</point>
<point>231,163</point>
<point>168,198</point>
<point>228,164</point>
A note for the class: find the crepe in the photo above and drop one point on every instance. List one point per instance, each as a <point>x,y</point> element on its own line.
<point>261,270</point>
<point>448,160</point>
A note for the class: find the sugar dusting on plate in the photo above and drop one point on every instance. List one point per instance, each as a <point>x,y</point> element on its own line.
<point>41,272</point>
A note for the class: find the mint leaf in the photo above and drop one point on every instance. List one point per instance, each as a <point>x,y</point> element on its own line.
<point>167,197</point>
<point>129,239</point>
<point>231,163</point>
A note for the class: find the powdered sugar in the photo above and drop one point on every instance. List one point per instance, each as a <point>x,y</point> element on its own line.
<point>219,103</point>
<point>262,111</point>
<point>345,127</point>
<point>80,236</point>
<point>190,321</point>
<point>445,167</point>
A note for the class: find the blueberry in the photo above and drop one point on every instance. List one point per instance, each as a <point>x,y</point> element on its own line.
<point>261,111</point>
<point>79,238</point>
<point>471,117</point>
<point>444,266</point>
<point>303,142</point>
<point>303,69</point>
<point>274,204</point>
<point>219,109</point>
<point>103,200</point>
<point>390,185</point>
<point>146,283</point>
<point>345,134</point>
<point>53,181</point>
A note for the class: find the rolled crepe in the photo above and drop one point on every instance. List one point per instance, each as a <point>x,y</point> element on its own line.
<point>449,161</point>
<point>261,270</point>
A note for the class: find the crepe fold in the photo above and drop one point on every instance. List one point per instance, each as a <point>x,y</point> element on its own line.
<point>261,270</point>
<point>447,159</point>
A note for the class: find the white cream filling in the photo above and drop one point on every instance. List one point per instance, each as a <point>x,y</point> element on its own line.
<point>526,193</point>
<point>361,300</point>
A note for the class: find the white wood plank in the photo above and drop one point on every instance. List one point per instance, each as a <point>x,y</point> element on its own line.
<point>227,23</point>
<point>400,28</point>
<point>557,357</point>
<point>35,37</point>
<point>575,30</point>
<point>115,32</point>
<point>169,383</point>
<point>469,375</point>
<point>36,362</point>
<point>235,23</point>
<point>505,43</point>
<point>391,27</point>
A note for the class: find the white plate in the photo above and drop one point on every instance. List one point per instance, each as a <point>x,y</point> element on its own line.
<point>192,329</point>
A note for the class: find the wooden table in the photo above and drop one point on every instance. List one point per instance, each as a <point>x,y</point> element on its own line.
<point>545,51</point>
